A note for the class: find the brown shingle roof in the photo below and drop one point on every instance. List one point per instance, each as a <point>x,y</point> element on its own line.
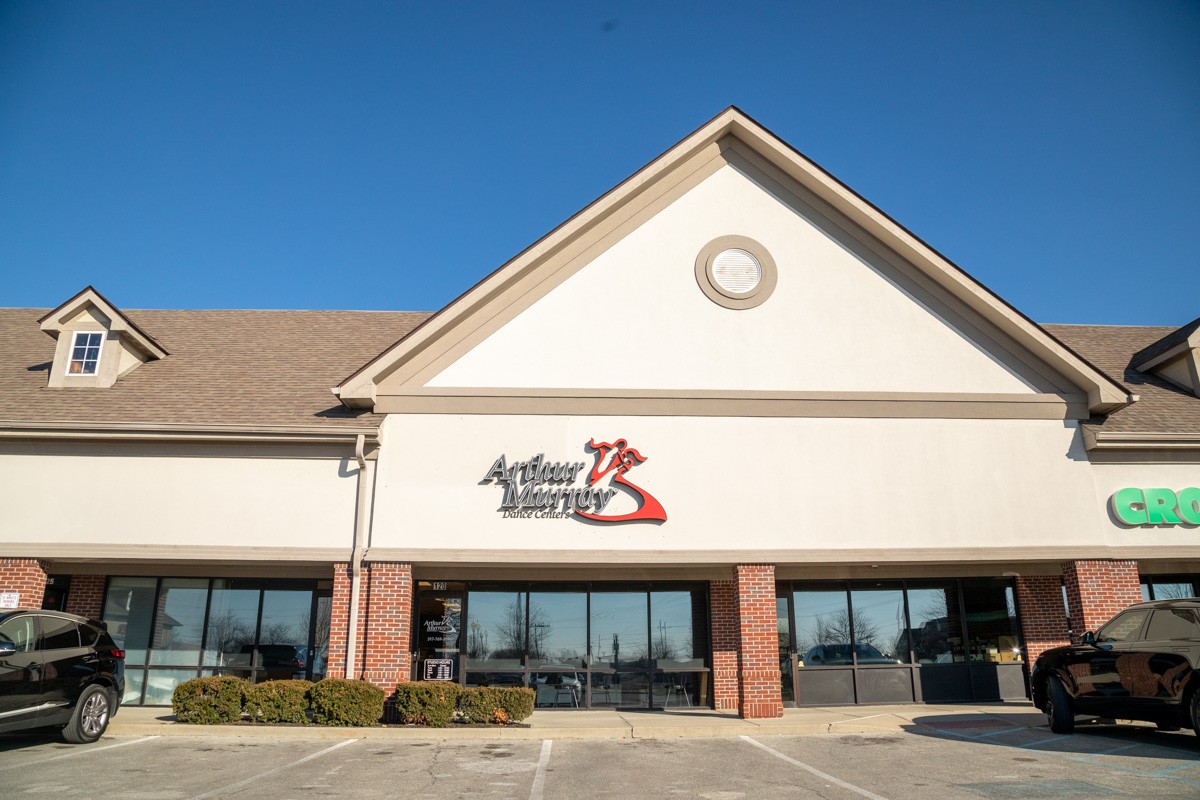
<point>253,368</point>
<point>1163,407</point>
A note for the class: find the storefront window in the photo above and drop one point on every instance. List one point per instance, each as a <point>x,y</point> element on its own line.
<point>496,631</point>
<point>619,629</point>
<point>128,610</point>
<point>991,613</point>
<point>232,625</point>
<point>678,629</point>
<point>557,629</point>
<point>1170,587</point>
<point>936,624</point>
<point>822,627</point>
<point>179,622</point>
<point>879,627</point>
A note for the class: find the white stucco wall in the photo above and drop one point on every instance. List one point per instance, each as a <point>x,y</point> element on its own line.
<point>69,494</point>
<point>738,484</point>
<point>635,317</point>
<point>1111,477</point>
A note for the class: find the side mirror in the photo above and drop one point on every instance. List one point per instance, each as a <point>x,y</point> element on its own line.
<point>7,649</point>
<point>1088,638</point>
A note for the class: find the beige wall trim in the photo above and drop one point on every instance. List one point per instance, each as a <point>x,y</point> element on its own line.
<point>172,554</point>
<point>172,432</point>
<point>567,248</point>
<point>198,569</point>
<point>1112,440</point>
<point>429,558</point>
<point>881,405</point>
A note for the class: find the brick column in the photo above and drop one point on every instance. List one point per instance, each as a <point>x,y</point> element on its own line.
<point>85,596</point>
<point>758,667</point>
<point>1098,589</point>
<point>388,636</point>
<point>722,597</point>
<point>26,577</point>
<point>1043,620</point>
<point>339,622</point>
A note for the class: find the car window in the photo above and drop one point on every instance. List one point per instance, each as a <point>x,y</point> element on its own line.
<point>88,635</point>
<point>1173,623</point>
<point>1124,627</point>
<point>21,631</point>
<point>59,634</point>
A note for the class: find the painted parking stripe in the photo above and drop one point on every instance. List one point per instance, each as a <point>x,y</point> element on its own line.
<point>82,751</point>
<point>538,789</point>
<point>822,775</point>
<point>253,778</point>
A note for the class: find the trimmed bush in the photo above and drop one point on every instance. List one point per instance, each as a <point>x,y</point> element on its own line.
<point>209,701</point>
<point>429,703</point>
<point>338,701</point>
<point>277,701</point>
<point>497,705</point>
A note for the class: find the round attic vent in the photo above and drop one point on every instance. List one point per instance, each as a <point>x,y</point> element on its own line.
<point>735,272</point>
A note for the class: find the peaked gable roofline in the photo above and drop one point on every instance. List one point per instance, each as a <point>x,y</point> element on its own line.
<point>422,344</point>
<point>54,321</point>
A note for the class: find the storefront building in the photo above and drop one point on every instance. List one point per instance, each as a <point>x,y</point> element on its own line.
<point>728,437</point>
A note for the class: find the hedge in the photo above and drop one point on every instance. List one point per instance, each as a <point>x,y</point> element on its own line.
<point>338,701</point>
<point>429,703</point>
<point>209,701</point>
<point>277,701</point>
<point>495,704</point>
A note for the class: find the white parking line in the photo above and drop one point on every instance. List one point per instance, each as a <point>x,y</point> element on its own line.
<point>822,775</point>
<point>253,778</point>
<point>539,777</point>
<point>82,751</point>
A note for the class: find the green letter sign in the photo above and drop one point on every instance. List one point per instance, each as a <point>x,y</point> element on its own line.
<point>1157,506</point>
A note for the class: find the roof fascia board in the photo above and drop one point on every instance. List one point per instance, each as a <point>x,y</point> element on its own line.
<point>170,432</point>
<point>1112,440</point>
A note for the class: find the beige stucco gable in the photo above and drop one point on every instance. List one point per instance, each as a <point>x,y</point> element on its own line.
<point>609,303</point>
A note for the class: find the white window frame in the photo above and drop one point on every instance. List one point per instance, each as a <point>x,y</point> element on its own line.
<point>71,354</point>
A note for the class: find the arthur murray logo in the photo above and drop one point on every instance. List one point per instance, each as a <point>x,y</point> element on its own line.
<point>541,489</point>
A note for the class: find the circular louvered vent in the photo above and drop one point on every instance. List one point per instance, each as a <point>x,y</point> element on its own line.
<point>735,272</point>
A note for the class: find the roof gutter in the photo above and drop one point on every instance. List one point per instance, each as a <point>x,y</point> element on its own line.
<point>184,432</point>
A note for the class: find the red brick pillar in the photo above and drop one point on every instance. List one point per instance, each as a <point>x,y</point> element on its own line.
<point>26,577</point>
<point>1098,589</point>
<point>85,596</point>
<point>758,633</point>
<point>722,598</point>
<point>339,622</point>
<point>1043,620</point>
<point>388,636</point>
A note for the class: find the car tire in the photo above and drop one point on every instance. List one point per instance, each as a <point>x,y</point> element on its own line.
<point>1194,706</point>
<point>90,717</point>
<point>1060,713</point>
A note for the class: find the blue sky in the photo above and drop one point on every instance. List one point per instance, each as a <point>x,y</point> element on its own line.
<point>389,155</point>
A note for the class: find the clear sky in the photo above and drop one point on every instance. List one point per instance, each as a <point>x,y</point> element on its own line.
<point>388,155</point>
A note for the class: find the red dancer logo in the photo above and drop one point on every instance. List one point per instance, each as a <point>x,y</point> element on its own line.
<point>624,458</point>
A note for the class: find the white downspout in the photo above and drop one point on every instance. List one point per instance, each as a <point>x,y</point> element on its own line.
<point>359,550</point>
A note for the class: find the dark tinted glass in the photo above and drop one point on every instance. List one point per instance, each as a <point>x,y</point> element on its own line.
<point>619,623</point>
<point>59,634</point>
<point>179,623</point>
<point>678,628</point>
<point>88,635</point>
<point>1173,623</point>
<point>557,628</point>
<point>496,635</point>
<point>991,620</point>
<point>128,610</point>
<point>879,624</point>
<point>936,632</point>
<point>232,623</point>
<point>822,626</point>
<point>1124,627</point>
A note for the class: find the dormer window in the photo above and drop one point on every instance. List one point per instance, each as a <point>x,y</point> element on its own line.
<point>85,353</point>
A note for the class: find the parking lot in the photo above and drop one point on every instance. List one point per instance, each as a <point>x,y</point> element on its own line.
<point>926,762</point>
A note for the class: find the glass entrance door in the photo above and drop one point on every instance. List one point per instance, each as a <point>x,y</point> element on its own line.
<point>439,624</point>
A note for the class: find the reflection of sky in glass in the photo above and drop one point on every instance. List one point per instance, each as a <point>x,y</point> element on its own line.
<point>558,626</point>
<point>821,618</point>
<point>181,621</point>
<point>497,624</point>
<point>879,621</point>
<point>671,625</point>
<point>285,617</point>
<point>232,620</point>
<point>623,615</point>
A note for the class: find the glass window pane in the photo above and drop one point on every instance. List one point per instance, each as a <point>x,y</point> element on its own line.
<point>59,634</point>
<point>678,629</point>
<point>1124,627</point>
<point>1173,623</point>
<point>161,683</point>
<point>557,689</point>
<point>619,630</point>
<point>879,627</point>
<point>495,629</point>
<point>822,627</point>
<point>612,689</point>
<point>1145,591</point>
<point>283,634</point>
<point>1171,590</point>
<point>133,687</point>
<point>936,632</point>
<point>991,620</point>
<point>232,622</point>
<point>179,623</point>
<point>558,629</point>
<point>785,644</point>
<point>128,610</point>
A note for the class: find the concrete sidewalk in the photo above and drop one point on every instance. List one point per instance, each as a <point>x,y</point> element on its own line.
<point>969,720</point>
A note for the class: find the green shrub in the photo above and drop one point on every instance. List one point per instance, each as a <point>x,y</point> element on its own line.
<point>277,701</point>
<point>338,701</point>
<point>495,704</point>
<point>429,703</point>
<point>209,701</point>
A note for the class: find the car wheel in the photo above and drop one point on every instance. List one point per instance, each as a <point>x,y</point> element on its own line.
<point>90,717</point>
<point>1059,711</point>
<point>1195,708</point>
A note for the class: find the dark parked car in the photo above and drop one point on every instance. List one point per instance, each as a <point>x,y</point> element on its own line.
<point>1141,665</point>
<point>58,670</point>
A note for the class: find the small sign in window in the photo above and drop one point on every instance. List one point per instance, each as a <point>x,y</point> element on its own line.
<point>439,669</point>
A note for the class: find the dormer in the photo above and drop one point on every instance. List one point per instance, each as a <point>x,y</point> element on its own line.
<point>1175,358</point>
<point>97,343</point>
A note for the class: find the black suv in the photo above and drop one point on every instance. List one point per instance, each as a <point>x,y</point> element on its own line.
<point>58,670</point>
<point>1143,664</point>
